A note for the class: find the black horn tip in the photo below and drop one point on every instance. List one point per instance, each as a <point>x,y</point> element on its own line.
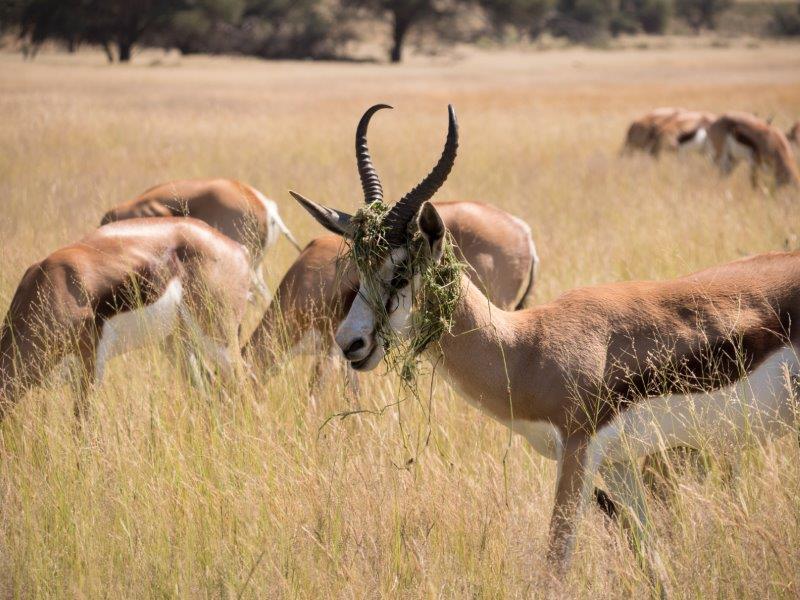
<point>298,197</point>
<point>372,110</point>
<point>451,115</point>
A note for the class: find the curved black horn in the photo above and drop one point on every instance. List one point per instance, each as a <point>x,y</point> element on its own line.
<point>401,214</point>
<point>373,192</point>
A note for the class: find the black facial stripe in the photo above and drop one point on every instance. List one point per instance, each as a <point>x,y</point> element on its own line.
<point>392,299</point>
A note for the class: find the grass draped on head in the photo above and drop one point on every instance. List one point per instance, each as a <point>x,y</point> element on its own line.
<point>435,296</point>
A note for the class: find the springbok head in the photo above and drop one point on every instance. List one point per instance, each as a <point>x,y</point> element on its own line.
<point>410,237</point>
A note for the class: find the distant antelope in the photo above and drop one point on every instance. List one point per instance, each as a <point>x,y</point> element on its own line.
<point>602,375</point>
<point>739,136</point>
<point>236,209</point>
<point>317,290</point>
<point>674,129</point>
<point>121,287</point>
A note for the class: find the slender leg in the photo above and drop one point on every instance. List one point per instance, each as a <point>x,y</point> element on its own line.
<point>574,484</point>
<point>624,483</point>
<point>327,362</point>
<point>753,174</point>
<point>87,370</point>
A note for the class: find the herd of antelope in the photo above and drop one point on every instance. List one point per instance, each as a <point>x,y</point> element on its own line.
<point>595,380</point>
<point>726,139</point>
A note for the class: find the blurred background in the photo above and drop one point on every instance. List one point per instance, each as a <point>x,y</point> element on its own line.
<point>375,29</point>
<point>165,493</point>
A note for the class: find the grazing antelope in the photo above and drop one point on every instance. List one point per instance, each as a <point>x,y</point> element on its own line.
<point>236,209</point>
<point>739,136</point>
<point>317,291</point>
<point>674,129</point>
<point>602,375</point>
<point>119,288</point>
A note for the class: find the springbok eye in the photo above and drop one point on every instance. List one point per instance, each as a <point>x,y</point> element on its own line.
<point>400,278</point>
<point>398,282</point>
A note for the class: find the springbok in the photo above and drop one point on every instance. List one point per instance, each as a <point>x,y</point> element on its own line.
<point>236,209</point>
<point>739,136</point>
<point>674,129</point>
<point>318,289</point>
<point>121,287</point>
<point>602,375</point>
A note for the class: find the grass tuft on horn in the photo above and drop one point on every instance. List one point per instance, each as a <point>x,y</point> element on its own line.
<point>436,292</point>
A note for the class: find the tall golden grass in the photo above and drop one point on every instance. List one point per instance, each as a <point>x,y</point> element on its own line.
<point>167,494</point>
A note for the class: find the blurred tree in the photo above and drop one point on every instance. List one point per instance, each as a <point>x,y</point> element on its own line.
<point>653,15</point>
<point>405,14</point>
<point>526,16</point>
<point>202,26</point>
<point>124,22</point>
<point>267,28</point>
<point>40,20</point>
<point>583,20</point>
<point>106,22</point>
<point>701,14</point>
<point>785,20</point>
<point>296,28</point>
<point>650,16</point>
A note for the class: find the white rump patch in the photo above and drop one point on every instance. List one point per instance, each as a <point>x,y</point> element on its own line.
<point>534,256</point>
<point>271,211</point>
<point>275,224</point>
<point>696,142</point>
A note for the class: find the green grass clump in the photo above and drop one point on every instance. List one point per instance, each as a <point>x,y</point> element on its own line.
<point>436,288</point>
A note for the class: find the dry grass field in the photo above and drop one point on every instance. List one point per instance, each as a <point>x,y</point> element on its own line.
<point>165,494</point>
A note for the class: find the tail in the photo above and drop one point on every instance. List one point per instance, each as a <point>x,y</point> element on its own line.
<point>272,213</point>
<point>524,302</point>
<point>527,297</point>
<point>285,231</point>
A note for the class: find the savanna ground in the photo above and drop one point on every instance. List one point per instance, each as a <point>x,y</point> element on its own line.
<point>165,494</point>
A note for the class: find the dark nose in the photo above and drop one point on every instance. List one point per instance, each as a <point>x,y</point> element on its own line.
<point>354,347</point>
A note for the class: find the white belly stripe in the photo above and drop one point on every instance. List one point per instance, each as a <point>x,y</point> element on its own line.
<point>133,329</point>
<point>761,404</point>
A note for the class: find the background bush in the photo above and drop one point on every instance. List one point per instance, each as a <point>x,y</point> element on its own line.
<point>323,28</point>
<point>786,20</point>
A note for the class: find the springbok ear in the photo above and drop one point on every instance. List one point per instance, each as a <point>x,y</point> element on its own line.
<point>331,219</point>
<point>432,229</point>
